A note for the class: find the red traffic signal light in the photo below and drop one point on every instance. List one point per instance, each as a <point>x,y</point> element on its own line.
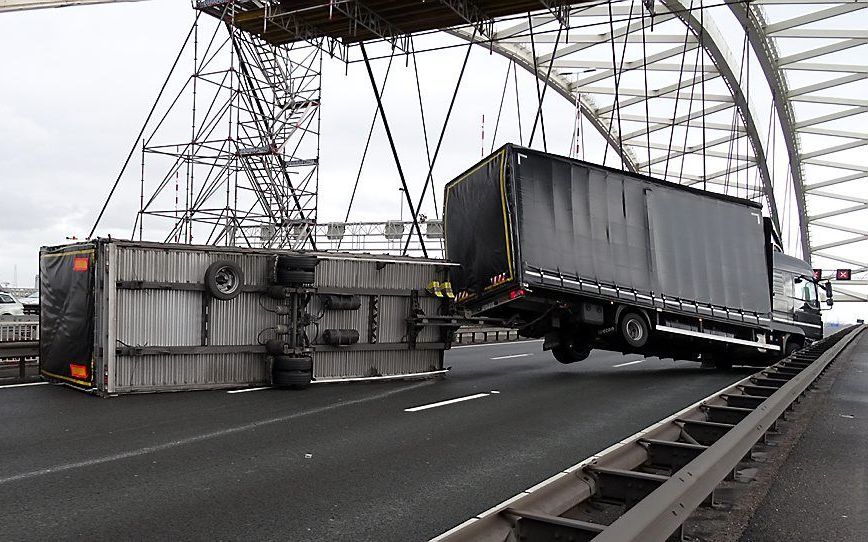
<point>817,274</point>
<point>843,274</point>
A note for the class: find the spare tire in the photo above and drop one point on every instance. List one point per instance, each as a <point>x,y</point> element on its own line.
<point>224,279</point>
<point>296,262</point>
<point>290,277</point>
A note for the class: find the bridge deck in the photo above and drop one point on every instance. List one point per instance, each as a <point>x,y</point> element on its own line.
<point>335,462</point>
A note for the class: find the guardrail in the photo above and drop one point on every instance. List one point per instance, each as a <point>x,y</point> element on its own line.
<point>485,335</point>
<point>19,347</point>
<point>21,351</point>
<point>659,476</point>
<point>18,328</point>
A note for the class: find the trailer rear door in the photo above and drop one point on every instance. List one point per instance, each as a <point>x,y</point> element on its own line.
<point>477,228</point>
<point>66,318</point>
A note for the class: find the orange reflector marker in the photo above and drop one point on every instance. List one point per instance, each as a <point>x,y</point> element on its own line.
<point>80,264</point>
<point>77,371</point>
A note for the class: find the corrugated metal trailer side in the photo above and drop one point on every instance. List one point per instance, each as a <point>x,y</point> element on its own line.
<point>157,329</point>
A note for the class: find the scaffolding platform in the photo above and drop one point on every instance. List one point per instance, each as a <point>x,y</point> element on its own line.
<point>351,21</point>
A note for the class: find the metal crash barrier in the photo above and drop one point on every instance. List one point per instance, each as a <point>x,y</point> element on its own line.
<point>655,479</point>
<point>19,347</point>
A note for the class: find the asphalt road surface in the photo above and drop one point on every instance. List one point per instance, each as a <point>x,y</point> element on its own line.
<point>335,462</point>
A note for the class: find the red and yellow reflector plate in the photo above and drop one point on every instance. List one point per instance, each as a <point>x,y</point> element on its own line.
<point>78,371</point>
<point>80,264</point>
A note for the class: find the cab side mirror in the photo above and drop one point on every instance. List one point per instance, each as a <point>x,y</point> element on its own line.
<point>828,288</point>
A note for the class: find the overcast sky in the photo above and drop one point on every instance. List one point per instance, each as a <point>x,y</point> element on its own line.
<point>78,82</point>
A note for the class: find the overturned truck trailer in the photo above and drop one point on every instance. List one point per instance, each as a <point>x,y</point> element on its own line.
<point>125,317</point>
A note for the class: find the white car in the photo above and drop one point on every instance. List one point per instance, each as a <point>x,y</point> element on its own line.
<point>10,306</point>
<point>30,303</point>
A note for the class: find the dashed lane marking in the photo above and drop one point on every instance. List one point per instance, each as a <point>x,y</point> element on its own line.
<point>245,390</point>
<point>449,402</point>
<point>629,363</point>
<point>23,385</point>
<point>495,344</point>
<point>512,356</point>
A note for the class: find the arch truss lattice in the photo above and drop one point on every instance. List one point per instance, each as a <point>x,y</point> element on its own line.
<point>668,84</point>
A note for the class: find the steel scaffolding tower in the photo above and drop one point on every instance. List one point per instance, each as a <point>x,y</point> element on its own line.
<point>249,174</point>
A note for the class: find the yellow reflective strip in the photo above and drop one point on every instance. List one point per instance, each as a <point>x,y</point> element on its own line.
<point>71,253</point>
<point>505,223</point>
<point>66,378</point>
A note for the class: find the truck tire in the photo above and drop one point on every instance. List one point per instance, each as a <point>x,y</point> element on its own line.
<point>291,363</point>
<point>792,346</point>
<point>292,277</point>
<point>291,379</point>
<point>571,351</point>
<point>634,330</point>
<point>224,279</point>
<point>297,262</point>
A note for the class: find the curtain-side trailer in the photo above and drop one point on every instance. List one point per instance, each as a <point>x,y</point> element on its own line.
<point>587,257</point>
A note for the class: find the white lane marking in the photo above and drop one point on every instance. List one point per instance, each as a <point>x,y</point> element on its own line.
<point>202,437</point>
<point>449,402</point>
<point>513,356</point>
<point>407,376</point>
<point>245,390</point>
<point>496,344</point>
<point>494,392</point>
<point>22,385</point>
<point>379,378</point>
<point>629,363</point>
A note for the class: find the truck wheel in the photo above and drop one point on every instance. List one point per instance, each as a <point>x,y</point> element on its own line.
<point>297,262</point>
<point>291,277</point>
<point>291,363</point>
<point>224,279</point>
<point>571,351</point>
<point>793,345</point>
<point>634,330</point>
<point>291,379</point>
